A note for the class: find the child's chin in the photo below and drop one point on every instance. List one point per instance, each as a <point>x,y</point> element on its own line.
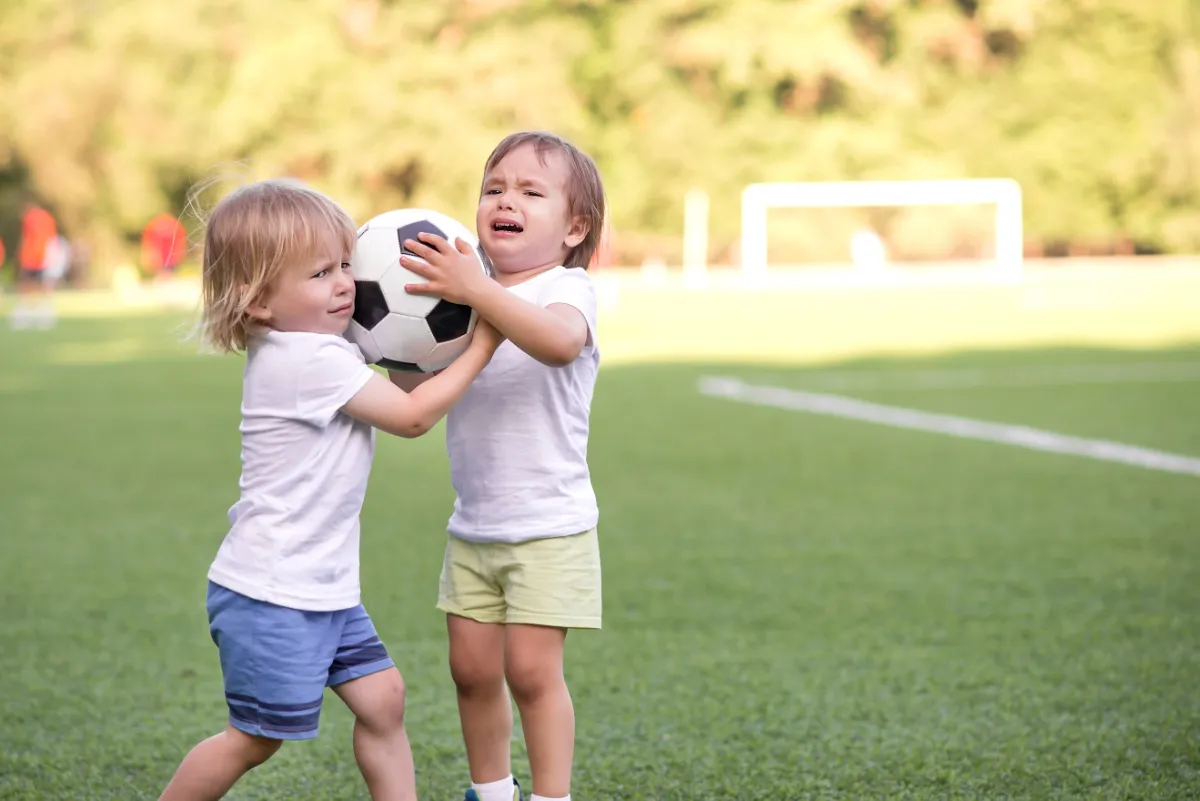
<point>508,262</point>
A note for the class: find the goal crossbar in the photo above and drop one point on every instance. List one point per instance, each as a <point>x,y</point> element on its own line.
<point>1003,193</point>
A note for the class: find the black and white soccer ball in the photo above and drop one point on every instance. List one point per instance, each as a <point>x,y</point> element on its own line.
<point>396,330</point>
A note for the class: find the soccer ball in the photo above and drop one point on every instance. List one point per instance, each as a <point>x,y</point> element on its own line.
<point>396,330</point>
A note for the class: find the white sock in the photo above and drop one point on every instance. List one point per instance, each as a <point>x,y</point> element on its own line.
<point>544,798</point>
<point>495,791</point>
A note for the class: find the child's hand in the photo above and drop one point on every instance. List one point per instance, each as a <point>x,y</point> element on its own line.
<point>486,336</point>
<point>453,272</point>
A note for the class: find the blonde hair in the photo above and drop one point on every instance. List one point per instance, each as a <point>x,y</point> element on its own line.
<point>250,236</point>
<point>585,189</point>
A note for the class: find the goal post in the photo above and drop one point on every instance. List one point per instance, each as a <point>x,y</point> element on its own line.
<point>1003,193</point>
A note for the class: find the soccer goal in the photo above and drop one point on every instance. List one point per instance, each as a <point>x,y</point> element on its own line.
<point>1002,193</point>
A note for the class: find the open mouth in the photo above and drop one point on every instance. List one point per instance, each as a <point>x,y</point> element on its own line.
<point>507,227</point>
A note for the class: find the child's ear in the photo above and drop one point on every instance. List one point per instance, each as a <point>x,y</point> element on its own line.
<point>577,232</point>
<point>256,310</point>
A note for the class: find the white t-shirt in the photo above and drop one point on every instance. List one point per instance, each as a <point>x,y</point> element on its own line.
<point>293,537</point>
<point>518,438</point>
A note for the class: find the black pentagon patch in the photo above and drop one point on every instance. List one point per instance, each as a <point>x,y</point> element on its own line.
<point>370,306</point>
<point>448,320</point>
<point>411,230</point>
<point>399,367</point>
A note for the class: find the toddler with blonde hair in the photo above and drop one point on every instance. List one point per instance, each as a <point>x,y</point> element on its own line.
<point>283,602</point>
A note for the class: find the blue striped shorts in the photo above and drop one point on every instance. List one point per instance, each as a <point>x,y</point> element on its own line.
<point>277,661</point>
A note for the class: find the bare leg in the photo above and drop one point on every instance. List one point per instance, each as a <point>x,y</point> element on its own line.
<point>215,765</point>
<point>534,668</point>
<point>380,742</point>
<point>484,706</point>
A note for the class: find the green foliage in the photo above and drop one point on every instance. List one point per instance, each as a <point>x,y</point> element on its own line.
<point>115,109</point>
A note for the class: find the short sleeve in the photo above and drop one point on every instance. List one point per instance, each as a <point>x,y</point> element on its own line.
<point>329,378</point>
<point>574,288</point>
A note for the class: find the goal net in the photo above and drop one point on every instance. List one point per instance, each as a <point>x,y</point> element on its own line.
<point>868,248</point>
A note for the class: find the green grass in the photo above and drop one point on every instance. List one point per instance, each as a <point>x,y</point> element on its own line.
<point>795,606</point>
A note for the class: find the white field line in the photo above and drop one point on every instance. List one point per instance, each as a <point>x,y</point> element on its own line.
<point>964,427</point>
<point>974,378</point>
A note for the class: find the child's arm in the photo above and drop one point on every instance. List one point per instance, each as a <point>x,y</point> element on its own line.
<point>554,335</point>
<point>409,381</point>
<point>409,415</point>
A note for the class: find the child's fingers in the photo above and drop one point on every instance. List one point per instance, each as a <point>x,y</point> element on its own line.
<point>432,284</point>
<point>420,248</point>
<point>421,268</point>
<point>434,241</point>
<point>420,289</point>
<point>464,247</point>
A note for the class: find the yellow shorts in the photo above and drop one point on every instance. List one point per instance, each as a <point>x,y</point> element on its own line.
<point>546,582</point>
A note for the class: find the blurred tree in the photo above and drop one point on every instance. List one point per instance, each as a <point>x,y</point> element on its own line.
<point>112,111</point>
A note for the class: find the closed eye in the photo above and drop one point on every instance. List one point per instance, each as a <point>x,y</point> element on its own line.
<point>535,194</point>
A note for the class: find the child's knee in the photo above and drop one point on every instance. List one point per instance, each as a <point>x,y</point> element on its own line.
<point>530,678</point>
<point>250,748</point>
<point>472,674</point>
<point>385,712</point>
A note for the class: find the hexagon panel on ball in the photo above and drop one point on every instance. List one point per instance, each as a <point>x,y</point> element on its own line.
<point>403,339</point>
<point>361,337</point>
<point>401,302</point>
<point>374,252</point>
<point>444,353</point>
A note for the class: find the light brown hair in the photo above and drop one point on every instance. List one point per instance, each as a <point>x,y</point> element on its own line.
<point>585,190</point>
<point>250,236</point>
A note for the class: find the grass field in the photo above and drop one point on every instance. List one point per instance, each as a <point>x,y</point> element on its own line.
<point>796,606</point>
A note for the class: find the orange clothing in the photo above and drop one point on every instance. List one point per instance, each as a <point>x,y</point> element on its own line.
<point>604,250</point>
<point>164,241</point>
<point>37,229</point>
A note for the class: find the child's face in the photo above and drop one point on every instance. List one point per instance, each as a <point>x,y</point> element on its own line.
<point>522,220</point>
<point>315,295</point>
